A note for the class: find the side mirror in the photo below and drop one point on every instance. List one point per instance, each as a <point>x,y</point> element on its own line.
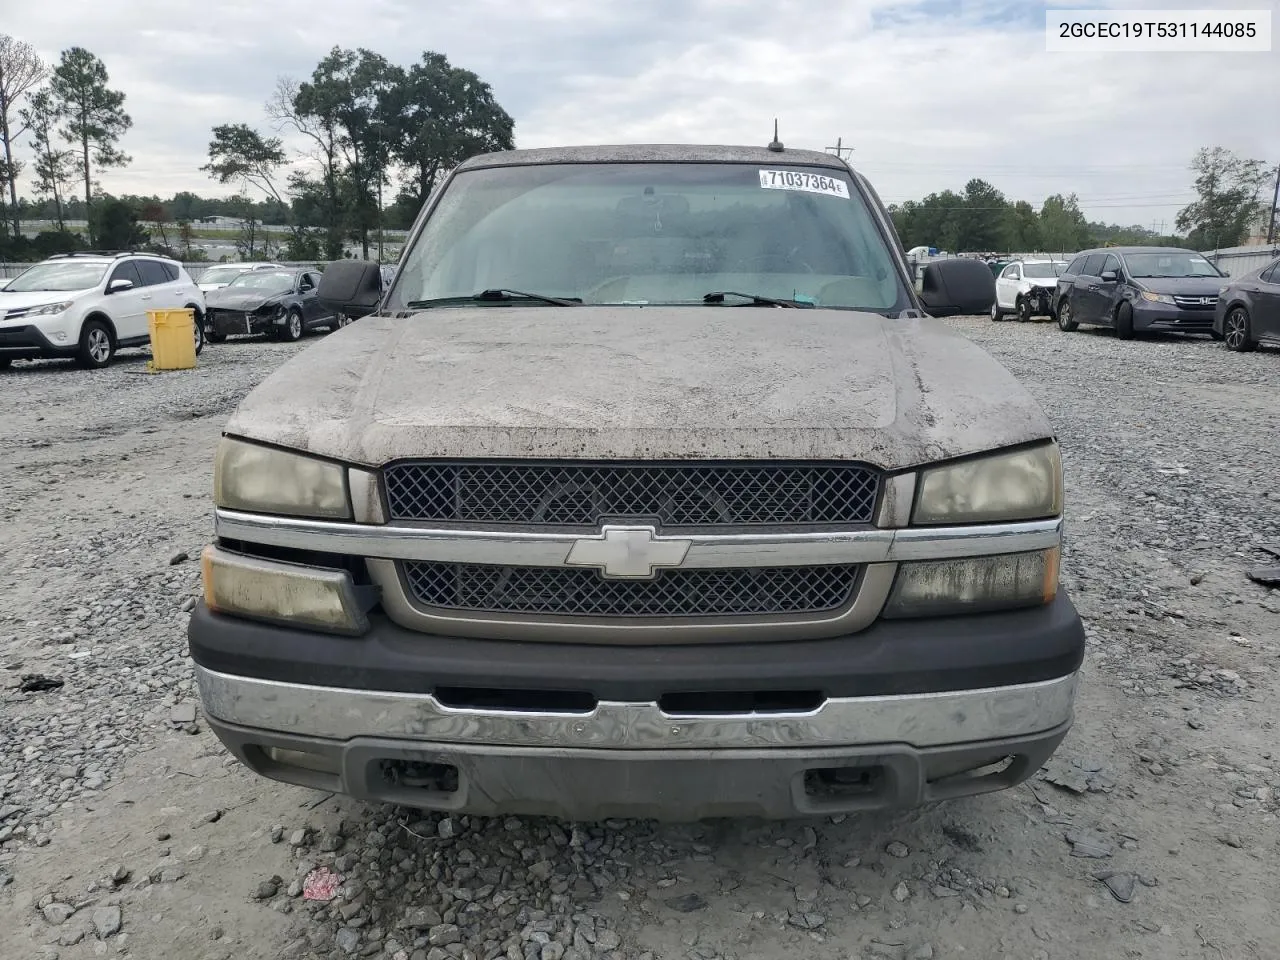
<point>115,286</point>
<point>1109,276</point>
<point>350,287</point>
<point>950,287</point>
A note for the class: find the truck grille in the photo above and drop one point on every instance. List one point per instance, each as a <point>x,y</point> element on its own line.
<point>673,495</point>
<point>741,591</point>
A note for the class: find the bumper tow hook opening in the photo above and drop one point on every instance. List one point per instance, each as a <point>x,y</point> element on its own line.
<point>413,775</point>
<point>747,702</point>
<point>533,701</point>
<point>841,783</point>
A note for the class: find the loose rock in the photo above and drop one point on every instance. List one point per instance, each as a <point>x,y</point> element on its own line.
<point>106,921</point>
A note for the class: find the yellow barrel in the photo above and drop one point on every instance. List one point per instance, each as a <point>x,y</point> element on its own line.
<point>173,339</point>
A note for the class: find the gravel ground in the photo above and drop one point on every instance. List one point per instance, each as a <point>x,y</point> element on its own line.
<point>125,829</point>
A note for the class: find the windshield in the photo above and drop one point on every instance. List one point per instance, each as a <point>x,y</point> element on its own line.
<point>69,275</point>
<point>221,274</point>
<point>1042,271</point>
<point>649,233</point>
<point>1172,264</point>
<point>266,282</point>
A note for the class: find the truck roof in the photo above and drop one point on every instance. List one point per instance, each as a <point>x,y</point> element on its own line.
<point>656,153</point>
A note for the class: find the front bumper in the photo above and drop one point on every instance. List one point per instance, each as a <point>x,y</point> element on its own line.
<point>1155,318</point>
<point>1041,300</point>
<point>1220,318</point>
<point>231,323</point>
<point>29,341</point>
<point>904,712</point>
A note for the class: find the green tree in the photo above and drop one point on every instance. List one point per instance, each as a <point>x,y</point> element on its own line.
<point>400,213</point>
<point>935,221</point>
<point>21,72</point>
<point>238,153</point>
<point>349,97</point>
<point>444,115</point>
<point>304,245</point>
<point>1022,229</point>
<point>185,237</point>
<point>1062,225</point>
<point>1228,202</point>
<point>980,219</point>
<point>185,205</point>
<point>54,164</point>
<point>94,116</point>
<point>49,242</point>
<point>154,213</point>
<point>290,108</point>
<point>113,224</point>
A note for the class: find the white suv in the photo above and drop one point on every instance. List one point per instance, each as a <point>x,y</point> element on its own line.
<point>1025,289</point>
<point>89,305</point>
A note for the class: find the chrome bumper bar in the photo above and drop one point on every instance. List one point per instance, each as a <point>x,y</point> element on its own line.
<point>919,720</point>
<point>871,545</point>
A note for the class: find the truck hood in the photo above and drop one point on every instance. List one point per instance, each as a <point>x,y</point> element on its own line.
<point>613,382</point>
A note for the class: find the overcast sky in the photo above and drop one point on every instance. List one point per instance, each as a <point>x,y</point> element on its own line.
<point>928,92</point>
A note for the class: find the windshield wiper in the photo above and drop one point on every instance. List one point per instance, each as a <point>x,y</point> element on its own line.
<point>496,295</point>
<point>756,300</point>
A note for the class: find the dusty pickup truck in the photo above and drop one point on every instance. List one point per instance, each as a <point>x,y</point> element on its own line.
<point>650,488</point>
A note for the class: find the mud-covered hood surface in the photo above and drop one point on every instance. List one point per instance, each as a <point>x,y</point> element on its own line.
<point>639,383</point>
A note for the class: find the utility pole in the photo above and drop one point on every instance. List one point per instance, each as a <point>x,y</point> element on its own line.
<point>840,149</point>
<point>1275,196</point>
<point>381,174</point>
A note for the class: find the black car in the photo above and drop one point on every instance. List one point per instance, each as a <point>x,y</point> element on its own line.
<point>1248,311</point>
<point>280,303</point>
<point>1139,289</point>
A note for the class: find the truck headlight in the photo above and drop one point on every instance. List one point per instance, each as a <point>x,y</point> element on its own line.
<point>247,476</point>
<point>1007,581</point>
<point>1022,484</point>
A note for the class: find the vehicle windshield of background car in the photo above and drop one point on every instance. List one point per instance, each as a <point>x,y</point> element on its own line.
<point>221,274</point>
<point>1169,265</point>
<point>650,233</point>
<point>1042,271</point>
<point>57,276</point>
<point>267,284</point>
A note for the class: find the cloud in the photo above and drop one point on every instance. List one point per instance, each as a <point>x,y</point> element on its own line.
<point>928,92</point>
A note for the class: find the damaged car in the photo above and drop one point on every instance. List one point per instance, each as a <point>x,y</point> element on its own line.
<point>1025,289</point>
<point>280,303</point>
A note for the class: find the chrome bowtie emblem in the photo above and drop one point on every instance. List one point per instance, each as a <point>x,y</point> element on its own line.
<point>635,552</point>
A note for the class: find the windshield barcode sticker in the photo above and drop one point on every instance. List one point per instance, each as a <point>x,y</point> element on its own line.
<point>808,182</point>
